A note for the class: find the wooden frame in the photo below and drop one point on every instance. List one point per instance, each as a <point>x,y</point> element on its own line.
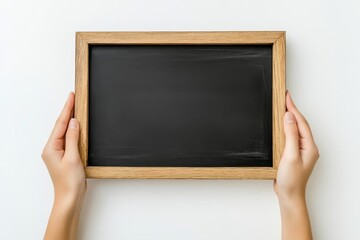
<point>276,39</point>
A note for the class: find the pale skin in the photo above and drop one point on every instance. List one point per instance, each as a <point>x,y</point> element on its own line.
<point>62,158</point>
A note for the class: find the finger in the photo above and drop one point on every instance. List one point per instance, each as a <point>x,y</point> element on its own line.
<point>291,137</point>
<point>63,120</point>
<point>72,141</point>
<point>303,126</point>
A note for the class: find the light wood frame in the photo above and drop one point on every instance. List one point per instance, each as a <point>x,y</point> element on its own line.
<point>274,38</point>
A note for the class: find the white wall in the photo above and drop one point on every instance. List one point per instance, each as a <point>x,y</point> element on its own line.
<point>37,71</point>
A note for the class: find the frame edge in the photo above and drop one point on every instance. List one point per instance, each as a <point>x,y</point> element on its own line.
<point>180,173</point>
<point>81,94</point>
<point>279,86</point>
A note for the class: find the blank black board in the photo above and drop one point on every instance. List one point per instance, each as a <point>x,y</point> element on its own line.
<point>180,105</point>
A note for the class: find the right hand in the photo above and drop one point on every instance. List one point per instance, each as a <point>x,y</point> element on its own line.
<point>299,157</point>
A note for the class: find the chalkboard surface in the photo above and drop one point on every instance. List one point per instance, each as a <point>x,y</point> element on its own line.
<point>180,105</point>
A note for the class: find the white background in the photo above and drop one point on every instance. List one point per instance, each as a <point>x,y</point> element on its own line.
<point>37,43</point>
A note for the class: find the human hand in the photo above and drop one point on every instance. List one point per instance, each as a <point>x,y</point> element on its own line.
<point>299,157</point>
<point>62,158</point>
<point>298,160</point>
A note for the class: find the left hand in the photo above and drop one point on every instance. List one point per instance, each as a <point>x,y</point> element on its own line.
<point>62,158</point>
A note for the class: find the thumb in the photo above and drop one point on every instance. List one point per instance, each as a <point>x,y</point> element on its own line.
<point>72,139</point>
<point>292,136</point>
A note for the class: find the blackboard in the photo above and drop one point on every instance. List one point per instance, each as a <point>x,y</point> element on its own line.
<point>187,106</point>
<point>201,105</point>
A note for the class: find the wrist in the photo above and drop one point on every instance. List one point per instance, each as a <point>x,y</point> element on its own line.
<point>292,201</point>
<point>286,194</point>
<point>69,200</point>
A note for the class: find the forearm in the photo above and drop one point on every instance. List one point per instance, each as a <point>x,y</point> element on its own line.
<point>75,223</point>
<point>64,219</point>
<point>295,219</point>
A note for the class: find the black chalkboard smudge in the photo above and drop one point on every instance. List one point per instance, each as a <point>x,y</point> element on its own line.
<point>196,106</point>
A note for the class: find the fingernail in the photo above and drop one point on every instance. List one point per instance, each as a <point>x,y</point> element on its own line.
<point>289,118</point>
<point>73,123</point>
